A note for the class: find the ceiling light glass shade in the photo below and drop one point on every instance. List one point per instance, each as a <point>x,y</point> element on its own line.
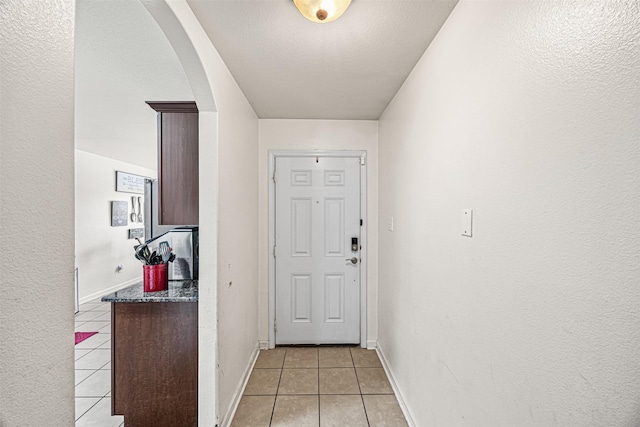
<point>322,11</point>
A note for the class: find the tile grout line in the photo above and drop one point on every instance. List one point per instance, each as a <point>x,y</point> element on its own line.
<point>91,407</point>
<point>273,409</point>
<point>94,371</point>
<point>359,388</point>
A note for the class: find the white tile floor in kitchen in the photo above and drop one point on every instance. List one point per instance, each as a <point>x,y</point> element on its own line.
<point>93,367</point>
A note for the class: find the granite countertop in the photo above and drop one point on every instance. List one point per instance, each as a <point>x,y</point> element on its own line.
<point>178,291</point>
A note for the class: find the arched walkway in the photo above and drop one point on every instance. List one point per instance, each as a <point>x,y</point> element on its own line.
<point>192,48</point>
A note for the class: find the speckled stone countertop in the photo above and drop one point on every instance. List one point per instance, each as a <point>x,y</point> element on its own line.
<point>178,291</point>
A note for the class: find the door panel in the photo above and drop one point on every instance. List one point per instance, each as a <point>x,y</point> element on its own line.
<point>301,288</point>
<point>301,227</point>
<point>334,301</point>
<point>334,227</point>
<point>317,212</point>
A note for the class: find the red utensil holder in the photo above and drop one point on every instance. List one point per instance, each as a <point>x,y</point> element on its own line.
<point>155,277</point>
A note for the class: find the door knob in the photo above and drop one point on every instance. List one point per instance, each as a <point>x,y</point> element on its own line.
<point>353,260</point>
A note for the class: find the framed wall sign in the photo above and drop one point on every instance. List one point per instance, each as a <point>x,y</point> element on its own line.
<point>129,183</point>
<point>136,232</point>
<point>119,211</point>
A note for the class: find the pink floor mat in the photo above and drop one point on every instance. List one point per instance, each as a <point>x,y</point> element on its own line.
<point>81,336</point>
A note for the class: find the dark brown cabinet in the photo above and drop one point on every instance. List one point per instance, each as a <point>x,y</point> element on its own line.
<point>154,354</point>
<point>177,162</point>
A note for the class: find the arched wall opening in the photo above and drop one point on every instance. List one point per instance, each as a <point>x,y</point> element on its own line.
<point>181,29</point>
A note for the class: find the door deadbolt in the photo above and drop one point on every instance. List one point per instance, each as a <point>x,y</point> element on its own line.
<point>354,244</point>
<point>353,260</point>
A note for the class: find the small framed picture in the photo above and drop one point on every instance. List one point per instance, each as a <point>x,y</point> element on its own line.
<point>136,233</point>
<point>119,213</point>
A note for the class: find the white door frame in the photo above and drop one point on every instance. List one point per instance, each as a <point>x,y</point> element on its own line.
<point>362,155</point>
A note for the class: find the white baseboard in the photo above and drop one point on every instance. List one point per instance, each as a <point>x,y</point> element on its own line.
<point>264,345</point>
<point>233,406</point>
<point>109,290</point>
<point>372,344</point>
<point>394,386</point>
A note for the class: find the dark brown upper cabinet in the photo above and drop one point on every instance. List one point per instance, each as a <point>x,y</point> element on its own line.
<point>177,162</point>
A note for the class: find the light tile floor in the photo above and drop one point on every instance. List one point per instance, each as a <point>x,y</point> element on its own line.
<point>289,386</point>
<point>93,367</point>
<point>318,386</point>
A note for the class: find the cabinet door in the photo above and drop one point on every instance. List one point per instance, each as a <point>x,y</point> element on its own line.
<point>154,370</point>
<point>178,168</point>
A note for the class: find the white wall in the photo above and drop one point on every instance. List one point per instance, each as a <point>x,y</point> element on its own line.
<point>122,60</point>
<point>526,112</point>
<point>320,135</point>
<point>36,213</point>
<point>237,247</point>
<point>100,248</point>
<point>237,242</point>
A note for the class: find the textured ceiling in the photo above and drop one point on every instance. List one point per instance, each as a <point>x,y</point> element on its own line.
<point>289,67</point>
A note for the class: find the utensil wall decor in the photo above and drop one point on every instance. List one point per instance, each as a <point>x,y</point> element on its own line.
<point>140,217</point>
<point>134,216</point>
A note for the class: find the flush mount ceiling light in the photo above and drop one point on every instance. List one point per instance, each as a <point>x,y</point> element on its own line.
<point>322,11</point>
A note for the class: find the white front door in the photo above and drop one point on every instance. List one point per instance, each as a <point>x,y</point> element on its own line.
<point>317,214</point>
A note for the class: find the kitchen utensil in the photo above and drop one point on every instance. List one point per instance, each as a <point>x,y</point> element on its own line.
<point>154,258</point>
<point>134,216</point>
<point>147,254</point>
<point>144,254</point>
<point>165,251</point>
<point>140,254</point>
<point>140,217</point>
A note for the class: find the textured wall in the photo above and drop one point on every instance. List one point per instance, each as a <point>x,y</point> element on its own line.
<point>528,113</point>
<point>320,135</point>
<point>36,212</point>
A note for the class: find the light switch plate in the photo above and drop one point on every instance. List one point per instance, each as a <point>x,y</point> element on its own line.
<point>466,222</point>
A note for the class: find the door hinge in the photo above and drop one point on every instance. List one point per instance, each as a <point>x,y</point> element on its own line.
<point>360,223</point>
<point>362,160</point>
<point>274,176</point>
<point>274,251</point>
<point>275,326</point>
